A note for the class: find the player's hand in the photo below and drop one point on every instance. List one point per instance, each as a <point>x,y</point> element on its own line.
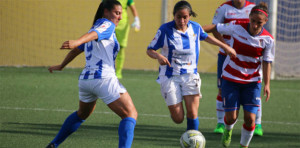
<point>267,92</point>
<point>136,24</point>
<point>231,52</point>
<point>71,44</point>
<point>56,67</point>
<point>163,60</point>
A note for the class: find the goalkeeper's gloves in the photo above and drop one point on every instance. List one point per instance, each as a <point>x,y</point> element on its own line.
<point>136,24</point>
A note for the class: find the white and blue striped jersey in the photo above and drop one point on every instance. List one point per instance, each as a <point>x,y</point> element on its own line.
<point>100,54</point>
<point>181,48</point>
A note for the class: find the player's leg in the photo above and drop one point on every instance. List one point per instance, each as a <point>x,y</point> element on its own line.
<point>87,105</point>
<point>247,129</point>
<point>219,103</point>
<point>170,91</point>
<point>258,128</point>
<point>125,108</point>
<point>177,112</point>
<point>73,122</point>
<point>231,96</point>
<point>192,105</point>
<point>190,89</point>
<point>251,101</point>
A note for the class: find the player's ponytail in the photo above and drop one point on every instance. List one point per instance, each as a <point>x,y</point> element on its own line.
<point>262,8</point>
<point>105,4</point>
<point>183,5</point>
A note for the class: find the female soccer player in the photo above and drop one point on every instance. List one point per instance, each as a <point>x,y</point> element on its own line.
<point>122,32</point>
<point>241,75</point>
<point>236,11</point>
<point>179,41</point>
<point>98,78</point>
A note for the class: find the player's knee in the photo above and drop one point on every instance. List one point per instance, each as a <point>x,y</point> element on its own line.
<point>249,122</point>
<point>230,120</point>
<point>177,119</point>
<point>83,115</point>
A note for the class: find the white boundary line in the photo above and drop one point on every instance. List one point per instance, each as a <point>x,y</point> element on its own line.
<point>149,115</point>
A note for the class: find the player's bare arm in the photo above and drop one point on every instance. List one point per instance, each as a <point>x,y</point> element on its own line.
<point>70,56</point>
<point>266,76</point>
<point>230,51</point>
<point>161,59</point>
<point>71,44</point>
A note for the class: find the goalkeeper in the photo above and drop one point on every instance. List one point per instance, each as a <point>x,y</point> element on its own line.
<point>122,32</point>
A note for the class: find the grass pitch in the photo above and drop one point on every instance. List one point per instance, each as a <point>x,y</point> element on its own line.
<point>35,103</point>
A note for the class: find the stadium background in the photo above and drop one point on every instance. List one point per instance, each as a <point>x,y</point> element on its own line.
<point>31,32</point>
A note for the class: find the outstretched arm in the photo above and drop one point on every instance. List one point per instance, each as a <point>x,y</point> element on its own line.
<point>266,77</point>
<point>70,56</point>
<point>71,44</point>
<point>230,51</point>
<point>213,29</point>
<point>160,58</point>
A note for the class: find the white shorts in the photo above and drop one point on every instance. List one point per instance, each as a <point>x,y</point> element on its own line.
<point>174,88</point>
<point>107,89</point>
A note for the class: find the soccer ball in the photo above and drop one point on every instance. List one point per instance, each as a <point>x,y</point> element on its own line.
<point>192,139</point>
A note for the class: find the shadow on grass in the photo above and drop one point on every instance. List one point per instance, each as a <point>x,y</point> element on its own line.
<point>151,135</point>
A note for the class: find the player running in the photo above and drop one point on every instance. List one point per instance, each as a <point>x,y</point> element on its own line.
<point>179,41</point>
<point>241,76</point>
<point>98,78</point>
<point>236,11</point>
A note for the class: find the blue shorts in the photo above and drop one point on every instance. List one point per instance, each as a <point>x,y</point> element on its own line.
<point>236,94</point>
<point>221,59</point>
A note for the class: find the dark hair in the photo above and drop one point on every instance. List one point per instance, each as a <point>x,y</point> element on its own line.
<point>105,4</point>
<point>261,8</point>
<point>183,5</point>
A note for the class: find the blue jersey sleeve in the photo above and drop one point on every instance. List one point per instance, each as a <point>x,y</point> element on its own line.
<point>203,34</point>
<point>158,40</point>
<point>104,28</point>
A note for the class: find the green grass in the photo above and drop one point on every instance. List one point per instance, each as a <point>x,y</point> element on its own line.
<point>35,103</point>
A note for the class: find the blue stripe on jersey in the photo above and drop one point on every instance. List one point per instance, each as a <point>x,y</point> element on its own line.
<point>169,70</point>
<point>185,40</point>
<point>89,47</point>
<point>196,30</point>
<point>115,51</point>
<point>195,71</point>
<point>98,72</point>
<point>86,75</point>
<point>183,71</point>
<point>81,47</point>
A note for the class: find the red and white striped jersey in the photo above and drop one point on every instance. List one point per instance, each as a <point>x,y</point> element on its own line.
<point>251,50</point>
<point>228,13</point>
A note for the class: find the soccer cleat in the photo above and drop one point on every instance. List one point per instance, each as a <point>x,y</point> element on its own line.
<point>243,146</point>
<point>258,130</point>
<point>220,128</point>
<point>50,145</point>
<point>226,138</point>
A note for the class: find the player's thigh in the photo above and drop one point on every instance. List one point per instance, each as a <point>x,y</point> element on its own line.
<point>86,109</point>
<point>250,97</point>
<point>177,112</point>
<point>124,106</point>
<point>170,91</point>
<point>230,95</point>
<point>109,89</point>
<point>190,84</point>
